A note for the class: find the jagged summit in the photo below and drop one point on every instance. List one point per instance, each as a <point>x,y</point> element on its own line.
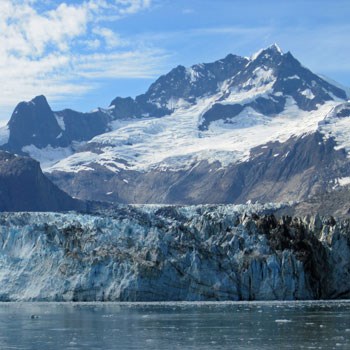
<point>34,126</point>
<point>271,50</point>
<point>267,72</point>
<point>32,123</point>
<point>40,100</point>
<point>276,47</point>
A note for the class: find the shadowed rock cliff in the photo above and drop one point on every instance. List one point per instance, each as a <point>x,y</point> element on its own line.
<point>23,187</point>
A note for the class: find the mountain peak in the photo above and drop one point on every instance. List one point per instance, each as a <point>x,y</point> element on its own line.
<point>32,123</point>
<point>276,48</point>
<point>272,50</point>
<point>40,100</point>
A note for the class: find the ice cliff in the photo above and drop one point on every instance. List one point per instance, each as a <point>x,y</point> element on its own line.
<point>155,253</point>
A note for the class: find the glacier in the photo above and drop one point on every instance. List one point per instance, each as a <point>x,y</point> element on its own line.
<point>173,253</point>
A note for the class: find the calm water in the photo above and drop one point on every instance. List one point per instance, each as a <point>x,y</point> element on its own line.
<point>297,325</point>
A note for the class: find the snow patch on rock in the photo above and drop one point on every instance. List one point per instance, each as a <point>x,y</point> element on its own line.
<point>308,94</point>
<point>60,122</point>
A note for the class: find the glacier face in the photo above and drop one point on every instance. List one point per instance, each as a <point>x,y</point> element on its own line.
<point>157,253</point>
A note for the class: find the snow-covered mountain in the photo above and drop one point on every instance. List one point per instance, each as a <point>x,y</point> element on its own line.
<point>260,128</point>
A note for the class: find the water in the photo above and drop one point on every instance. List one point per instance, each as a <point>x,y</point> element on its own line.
<point>270,325</point>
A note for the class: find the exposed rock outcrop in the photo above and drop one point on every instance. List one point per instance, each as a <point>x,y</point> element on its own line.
<point>23,187</point>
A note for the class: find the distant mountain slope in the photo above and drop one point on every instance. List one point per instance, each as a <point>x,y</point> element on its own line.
<point>23,187</point>
<point>293,170</point>
<point>258,128</point>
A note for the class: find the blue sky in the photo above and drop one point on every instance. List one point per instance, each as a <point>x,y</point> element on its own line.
<point>82,54</point>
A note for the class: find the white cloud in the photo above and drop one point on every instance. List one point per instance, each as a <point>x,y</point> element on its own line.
<point>130,64</point>
<point>133,6</point>
<point>93,44</point>
<point>58,49</point>
<point>25,32</point>
<point>110,38</point>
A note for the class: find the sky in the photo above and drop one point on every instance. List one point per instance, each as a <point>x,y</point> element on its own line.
<point>81,54</point>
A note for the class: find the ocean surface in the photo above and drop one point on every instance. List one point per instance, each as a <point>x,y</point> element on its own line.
<point>243,325</point>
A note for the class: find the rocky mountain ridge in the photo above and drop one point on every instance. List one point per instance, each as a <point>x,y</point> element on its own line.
<point>34,124</point>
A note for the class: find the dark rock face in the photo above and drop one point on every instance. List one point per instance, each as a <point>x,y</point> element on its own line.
<point>23,187</point>
<point>219,112</point>
<point>82,126</point>
<point>34,123</point>
<point>227,112</point>
<point>126,108</point>
<point>276,172</point>
<point>308,80</point>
